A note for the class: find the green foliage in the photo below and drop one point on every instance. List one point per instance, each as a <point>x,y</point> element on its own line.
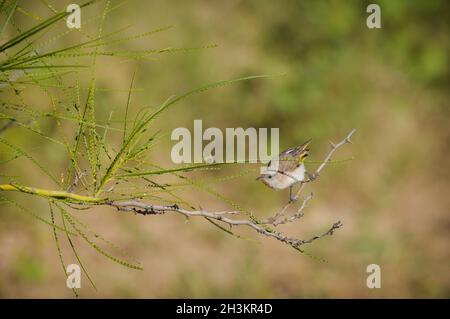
<point>91,160</point>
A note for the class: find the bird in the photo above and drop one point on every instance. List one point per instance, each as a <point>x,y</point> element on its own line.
<point>287,169</point>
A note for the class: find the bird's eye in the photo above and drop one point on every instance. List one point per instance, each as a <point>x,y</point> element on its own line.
<point>270,176</point>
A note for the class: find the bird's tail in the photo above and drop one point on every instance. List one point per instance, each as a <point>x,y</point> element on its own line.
<point>303,150</point>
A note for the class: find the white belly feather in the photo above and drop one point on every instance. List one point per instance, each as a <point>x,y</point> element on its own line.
<point>286,179</point>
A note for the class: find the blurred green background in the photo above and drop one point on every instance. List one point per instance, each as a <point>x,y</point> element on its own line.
<point>391,84</point>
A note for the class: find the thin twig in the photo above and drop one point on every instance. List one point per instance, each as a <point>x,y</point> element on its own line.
<point>7,125</point>
<point>75,182</point>
<point>334,147</point>
<point>298,214</point>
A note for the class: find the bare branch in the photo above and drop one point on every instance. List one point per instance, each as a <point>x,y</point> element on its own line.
<point>334,147</point>
<point>329,232</point>
<point>298,214</point>
<point>148,209</point>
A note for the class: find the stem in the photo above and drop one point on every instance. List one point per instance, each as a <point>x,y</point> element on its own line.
<point>50,193</point>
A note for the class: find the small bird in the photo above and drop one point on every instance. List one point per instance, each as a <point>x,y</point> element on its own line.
<point>287,169</point>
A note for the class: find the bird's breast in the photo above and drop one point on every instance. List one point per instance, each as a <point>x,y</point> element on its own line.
<point>286,179</point>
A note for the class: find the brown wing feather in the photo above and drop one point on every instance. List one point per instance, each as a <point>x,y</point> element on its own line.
<point>290,159</point>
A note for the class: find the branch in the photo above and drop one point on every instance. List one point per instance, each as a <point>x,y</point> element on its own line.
<point>60,195</point>
<point>148,209</point>
<point>139,207</point>
<point>298,214</point>
<point>334,147</point>
<point>329,232</point>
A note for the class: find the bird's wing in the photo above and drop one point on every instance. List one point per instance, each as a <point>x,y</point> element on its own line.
<point>289,159</point>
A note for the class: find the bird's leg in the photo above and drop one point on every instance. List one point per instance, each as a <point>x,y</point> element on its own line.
<point>290,194</point>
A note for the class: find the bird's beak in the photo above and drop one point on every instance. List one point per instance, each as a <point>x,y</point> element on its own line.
<point>259,177</point>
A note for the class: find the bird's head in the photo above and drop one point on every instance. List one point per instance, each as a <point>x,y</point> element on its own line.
<point>266,178</point>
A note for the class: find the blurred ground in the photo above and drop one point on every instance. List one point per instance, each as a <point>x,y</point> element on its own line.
<point>390,84</point>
